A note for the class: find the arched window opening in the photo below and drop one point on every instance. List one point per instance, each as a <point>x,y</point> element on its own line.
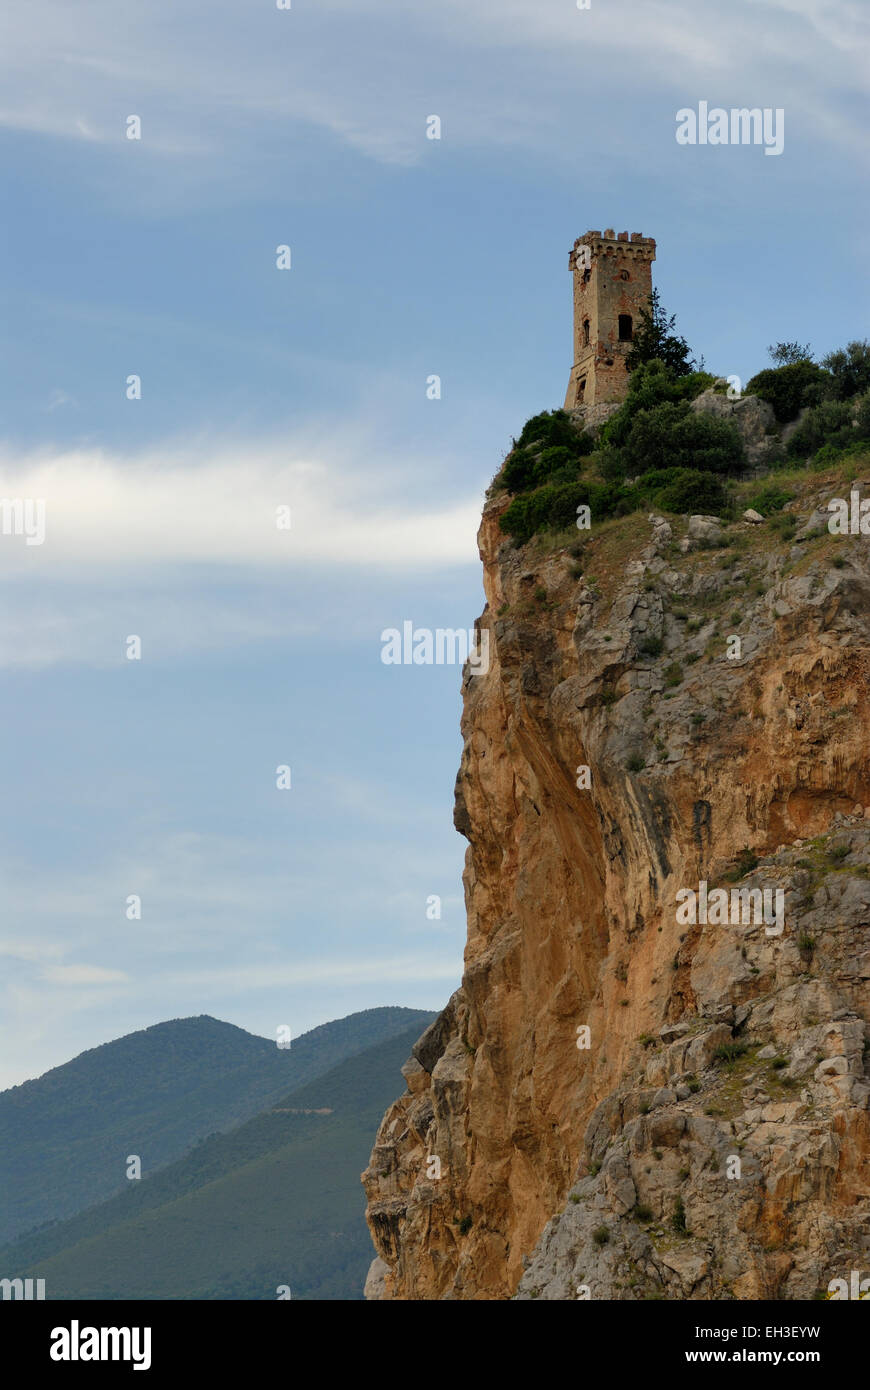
<point>585,332</point>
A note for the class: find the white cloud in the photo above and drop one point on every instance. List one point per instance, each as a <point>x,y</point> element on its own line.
<point>202,75</point>
<point>84,975</point>
<point>30,951</point>
<point>180,505</point>
<point>335,971</point>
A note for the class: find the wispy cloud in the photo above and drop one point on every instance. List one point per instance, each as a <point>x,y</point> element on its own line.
<point>77,72</point>
<point>223,505</point>
<point>30,951</point>
<point>84,975</point>
<point>328,971</point>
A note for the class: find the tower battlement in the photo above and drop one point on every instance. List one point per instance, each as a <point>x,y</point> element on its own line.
<point>612,284</point>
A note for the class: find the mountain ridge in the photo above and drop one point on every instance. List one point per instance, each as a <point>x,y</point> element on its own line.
<point>65,1137</point>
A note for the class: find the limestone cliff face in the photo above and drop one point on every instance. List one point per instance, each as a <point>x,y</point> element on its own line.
<point>606,1167</point>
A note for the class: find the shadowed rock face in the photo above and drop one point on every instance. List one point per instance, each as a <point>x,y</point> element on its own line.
<point>561,1164</point>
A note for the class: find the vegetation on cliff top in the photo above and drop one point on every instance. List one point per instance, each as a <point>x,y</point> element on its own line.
<point>655,451</point>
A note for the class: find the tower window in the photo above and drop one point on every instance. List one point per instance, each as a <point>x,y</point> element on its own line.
<point>625,328</point>
<point>581,391</point>
<point>585,332</point>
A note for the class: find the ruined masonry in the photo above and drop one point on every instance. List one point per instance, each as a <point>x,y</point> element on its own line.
<point>612,284</point>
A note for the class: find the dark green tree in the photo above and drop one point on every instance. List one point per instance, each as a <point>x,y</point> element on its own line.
<point>788,389</point>
<point>655,338</point>
<point>850,369</point>
<point>784,354</point>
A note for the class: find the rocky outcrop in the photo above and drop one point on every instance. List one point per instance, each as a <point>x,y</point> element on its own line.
<point>651,718</point>
<point>593,417</point>
<point>739,1153</point>
<point>753,418</point>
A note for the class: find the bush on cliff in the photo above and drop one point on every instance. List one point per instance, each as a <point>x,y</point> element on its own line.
<point>849,370</point>
<point>553,427</point>
<point>554,506</point>
<point>652,384</point>
<point>682,490</point>
<point>654,427</point>
<point>550,448</point>
<point>788,389</point>
<point>554,467</point>
<point>834,426</point>
<point>673,436</point>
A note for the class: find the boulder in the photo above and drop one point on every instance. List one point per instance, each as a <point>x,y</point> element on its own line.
<point>375,1286</point>
<point>753,418</point>
<point>704,530</point>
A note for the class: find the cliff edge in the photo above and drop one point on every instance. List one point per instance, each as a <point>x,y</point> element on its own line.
<point>623,1102</point>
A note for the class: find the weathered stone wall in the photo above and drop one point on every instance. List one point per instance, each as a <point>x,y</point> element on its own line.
<point>617,280</point>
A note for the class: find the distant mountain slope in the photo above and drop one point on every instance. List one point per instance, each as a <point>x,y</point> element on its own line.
<point>65,1137</point>
<point>276,1201</point>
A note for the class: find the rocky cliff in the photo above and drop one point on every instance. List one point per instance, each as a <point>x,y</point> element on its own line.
<point>619,1102</point>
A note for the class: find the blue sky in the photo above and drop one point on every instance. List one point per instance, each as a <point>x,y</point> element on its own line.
<point>307,387</point>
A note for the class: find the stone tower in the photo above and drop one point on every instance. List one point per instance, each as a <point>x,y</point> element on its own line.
<point>612,283</point>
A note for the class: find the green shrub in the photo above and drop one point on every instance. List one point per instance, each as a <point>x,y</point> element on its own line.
<point>552,427</point>
<point>789,388</point>
<point>828,423</point>
<point>601,1235</point>
<point>692,492</point>
<point>770,497</point>
<point>555,506</point>
<point>849,370</point>
<point>554,461</point>
<point>550,447</point>
<point>745,861</point>
<point>519,470</point>
<point>678,1220</point>
<point>670,435</point>
<point>783,524</point>
<point>650,646</point>
<point>650,385</point>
